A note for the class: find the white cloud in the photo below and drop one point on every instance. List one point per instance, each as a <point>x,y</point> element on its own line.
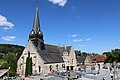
<point>77,40</point>
<point>73,35</point>
<point>88,39</point>
<point>5,23</point>
<point>59,2</point>
<point>9,38</point>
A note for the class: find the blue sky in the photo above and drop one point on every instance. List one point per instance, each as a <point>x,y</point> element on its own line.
<point>88,25</point>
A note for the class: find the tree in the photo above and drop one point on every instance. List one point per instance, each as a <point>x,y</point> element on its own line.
<point>28,70</point>
<point>78,53</point>
<point>84,54</point>
<point>3,64</point>
<point>12,63</point>
<point>30,66</point>
<point>9,57</point>
<point>109,57</point>
<point>112,56</point>
<point>116,54</point>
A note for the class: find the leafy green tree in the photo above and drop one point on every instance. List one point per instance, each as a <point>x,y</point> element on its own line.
<point>78,53</point>
<point>112,56</point>
<point>109,57</point>
<point>12,63</point>
<point>28,70</point>
<point>3,64</point>
<point>30,66</point>
<point>85,54</point>
<point>27,67</point>
<point>94,54</point>
<point>8,54</point>
<point>116,54</point>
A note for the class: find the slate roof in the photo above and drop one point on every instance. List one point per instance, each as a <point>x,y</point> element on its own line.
<point>53,54</point>
<point>80,59</point>
<point>62,49</point>
<point>36,25</point>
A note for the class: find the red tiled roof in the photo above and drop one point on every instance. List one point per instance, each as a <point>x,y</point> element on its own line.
<point>98,58</point>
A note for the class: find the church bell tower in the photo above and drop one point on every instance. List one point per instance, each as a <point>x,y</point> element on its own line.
<point>36,36</point>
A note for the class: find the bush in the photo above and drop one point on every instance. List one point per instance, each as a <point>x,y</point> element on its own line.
<point>28,70</point>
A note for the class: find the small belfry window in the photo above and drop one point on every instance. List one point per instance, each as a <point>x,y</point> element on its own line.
<point>32,32</point>
<point>39,32</point>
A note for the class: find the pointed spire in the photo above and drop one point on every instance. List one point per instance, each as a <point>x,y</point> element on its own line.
<point>36,35</point>
<point>36,24</point>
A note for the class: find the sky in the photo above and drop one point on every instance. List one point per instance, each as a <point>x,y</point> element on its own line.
<point>88,25</point>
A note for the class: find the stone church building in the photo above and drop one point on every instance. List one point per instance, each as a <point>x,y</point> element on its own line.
<point>45,57</point>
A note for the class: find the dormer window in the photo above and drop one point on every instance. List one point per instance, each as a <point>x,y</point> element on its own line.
<point>65,53</point>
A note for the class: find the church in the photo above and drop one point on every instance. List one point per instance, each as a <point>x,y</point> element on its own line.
<point>45,57</point>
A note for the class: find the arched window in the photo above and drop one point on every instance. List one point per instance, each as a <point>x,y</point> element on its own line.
<point>57,67</point>
<point>20,66</point>
<point>28,54</point>
<point>50,67</point>
<point>39,69</point>
<point>63,65</point>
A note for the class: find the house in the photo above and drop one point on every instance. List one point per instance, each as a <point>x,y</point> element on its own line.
<point>4,73</point>
<point>45,57</point>
<point>80,60</point>
<point>92,59</point>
